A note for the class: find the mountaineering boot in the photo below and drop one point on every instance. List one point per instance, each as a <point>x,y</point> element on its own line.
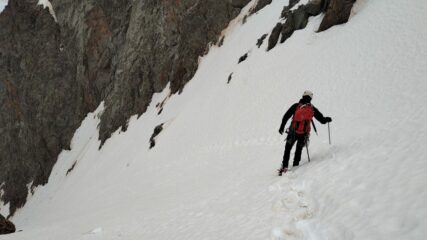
<point>282,170</point>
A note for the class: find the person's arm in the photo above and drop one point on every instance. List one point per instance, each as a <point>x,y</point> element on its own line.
<point>286,117</point>
<point>319,116</point>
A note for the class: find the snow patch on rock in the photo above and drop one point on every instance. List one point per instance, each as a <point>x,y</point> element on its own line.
<point>48,4</point>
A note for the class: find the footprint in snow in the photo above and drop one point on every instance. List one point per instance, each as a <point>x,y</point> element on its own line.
<point>292,204</point>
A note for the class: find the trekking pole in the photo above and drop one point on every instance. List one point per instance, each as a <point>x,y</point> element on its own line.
<point>306,146</point>
<point>329,131</point>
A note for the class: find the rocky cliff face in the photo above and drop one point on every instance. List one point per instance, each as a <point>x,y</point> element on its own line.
<point>53,73</point>
<point>40,99</point>
<point>162,44</point>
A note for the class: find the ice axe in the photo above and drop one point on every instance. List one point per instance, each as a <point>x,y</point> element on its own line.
<point>314,127</point>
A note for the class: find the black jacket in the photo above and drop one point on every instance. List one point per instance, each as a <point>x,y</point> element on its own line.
<point>317,114</point>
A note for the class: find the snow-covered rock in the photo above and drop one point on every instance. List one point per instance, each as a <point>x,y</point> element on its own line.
<point>48,4</point>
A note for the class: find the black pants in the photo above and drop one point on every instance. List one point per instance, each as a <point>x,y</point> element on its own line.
<point>290,141</point>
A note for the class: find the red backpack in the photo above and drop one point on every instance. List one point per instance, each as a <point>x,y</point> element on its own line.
<point>302,118</point>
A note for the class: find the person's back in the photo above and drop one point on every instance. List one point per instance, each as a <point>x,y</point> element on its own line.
<point>299,131</point>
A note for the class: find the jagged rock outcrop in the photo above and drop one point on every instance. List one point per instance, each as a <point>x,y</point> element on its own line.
<point>229,78</point>
<point>338,12</point>
<point>260,40</point>
<point>6,226</point>
<point>157,130</point>
<point>53,73</point>
<point>315,7</point>
<point>242,58</point>
<point>274,36</point>
<point>300,18</point>
<point>288,28</point>
<point>287,9</point>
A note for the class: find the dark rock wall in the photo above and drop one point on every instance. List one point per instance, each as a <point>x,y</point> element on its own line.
<point>40,103</point>
<point>53,74</point>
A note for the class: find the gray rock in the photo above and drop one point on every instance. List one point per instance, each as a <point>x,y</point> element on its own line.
<point>260,5</point>
<point>288,28</point>
<point>296,19</point>
<point>274,36</point>
<point>239,3</point>
<point>71,168</point>
<point>315,7</point>
<point>229,78</point>
<point>6,226</point>
<point>300,18</point>
<point>292,3</point>
<point>221,41</point>
<point>260,40</point>
<point>287,9</point>
<point>157,130</point>
<point>243,58</point>
<point>338,12</point>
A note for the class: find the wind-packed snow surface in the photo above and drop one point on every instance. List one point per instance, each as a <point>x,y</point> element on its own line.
<point>212,173</point>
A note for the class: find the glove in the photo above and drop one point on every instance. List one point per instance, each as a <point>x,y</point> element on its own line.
<point>328,119</point>
<point>281,131</point>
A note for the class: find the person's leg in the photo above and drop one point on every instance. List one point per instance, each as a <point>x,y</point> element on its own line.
<point>300,145</point>
<point>290,141</point>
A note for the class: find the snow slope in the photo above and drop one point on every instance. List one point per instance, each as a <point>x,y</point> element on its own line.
<point>212,173</point>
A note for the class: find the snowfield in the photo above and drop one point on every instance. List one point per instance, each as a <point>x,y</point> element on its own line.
<point>212,174</point>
